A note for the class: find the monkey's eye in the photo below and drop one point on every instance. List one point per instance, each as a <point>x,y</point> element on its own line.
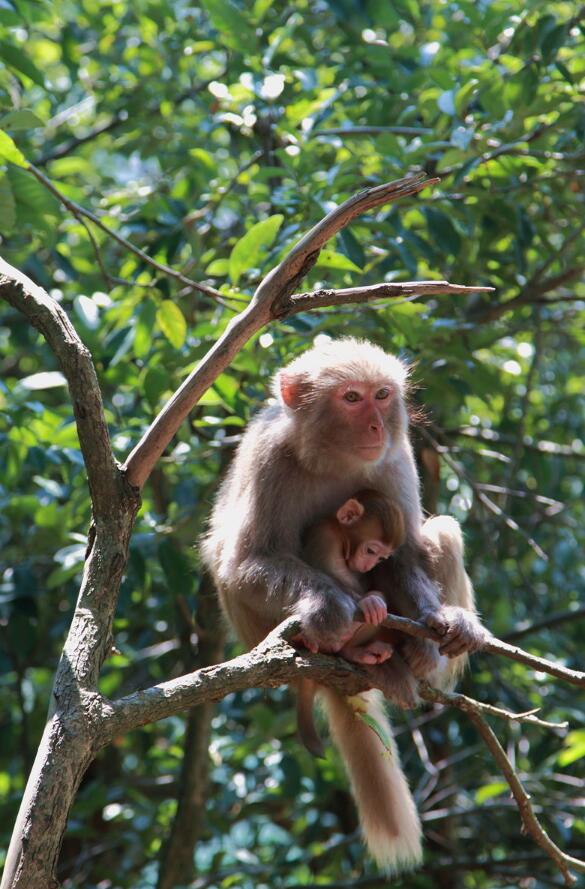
<point>352,396</point>
<point>370,551</point>
<point>383,393</point>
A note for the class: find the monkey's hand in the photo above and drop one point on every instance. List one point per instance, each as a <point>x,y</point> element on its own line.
<point>327,620</point>
<point>461,630</point>
<point>374,609</point>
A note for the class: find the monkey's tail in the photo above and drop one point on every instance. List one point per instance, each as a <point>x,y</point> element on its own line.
<point>387,812</point>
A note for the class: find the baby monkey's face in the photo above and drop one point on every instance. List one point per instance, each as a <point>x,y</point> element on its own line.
<point>367,554</point>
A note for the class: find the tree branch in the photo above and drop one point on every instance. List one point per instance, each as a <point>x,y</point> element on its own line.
<point>529,820</point>
<point>493,646</point>
<point>271,300</point>
<point>48,317</point>
<point>316,299</point>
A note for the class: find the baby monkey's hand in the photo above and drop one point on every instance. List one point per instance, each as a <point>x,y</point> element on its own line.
<point>373,607</point>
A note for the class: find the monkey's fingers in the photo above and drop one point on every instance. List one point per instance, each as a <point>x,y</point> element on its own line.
<point>309,644</point>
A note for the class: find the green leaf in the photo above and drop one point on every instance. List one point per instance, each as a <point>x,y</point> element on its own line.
<point>14,57</point>
<point>575,744</point>
<point>232,24</point>
<point>21,120</point>
<point>248,250</point>
<point>332,260</point>
<point>377,728</point>
<point>489,791</point>
<point>172,322</point>
<point>9,151</point>
<point>218,268</point>
<point>144,326</point>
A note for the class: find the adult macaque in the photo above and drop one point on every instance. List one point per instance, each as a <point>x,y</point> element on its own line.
<point>364,531</point>
<point>340,425</point>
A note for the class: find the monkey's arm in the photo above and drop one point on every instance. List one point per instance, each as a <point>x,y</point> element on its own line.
<point>266,588</point>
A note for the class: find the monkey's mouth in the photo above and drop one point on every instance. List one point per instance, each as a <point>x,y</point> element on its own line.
<point>370,452</point>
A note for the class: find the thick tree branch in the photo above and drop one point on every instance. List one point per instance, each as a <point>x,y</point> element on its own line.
<point>44,313</point>
<point>275,662</point>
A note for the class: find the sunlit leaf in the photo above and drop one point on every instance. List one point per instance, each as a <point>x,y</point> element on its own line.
<point>249,249</point>
<point>9,151</point>
<point>172,322</point>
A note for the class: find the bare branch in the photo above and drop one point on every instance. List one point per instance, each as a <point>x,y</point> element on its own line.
<point>455,699</point>
<point>316,299</point>
<point>273,292</point>
<point>48,317</point>
<point>553,620</point>
<point>272,663</point>
<point>541,447</point>
<point>531,823</point>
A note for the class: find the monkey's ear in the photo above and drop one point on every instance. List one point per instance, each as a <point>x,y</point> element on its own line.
<point>293,389</point>
<point>350,513</point>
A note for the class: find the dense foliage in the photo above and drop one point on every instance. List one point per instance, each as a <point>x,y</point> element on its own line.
<point>212,136</point>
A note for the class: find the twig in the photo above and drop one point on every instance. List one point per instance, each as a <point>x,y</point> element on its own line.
<point>482,496</point>
<point>541,447</point>
<point>456,699</point>
<point>315,299</point>
<point>373,131</point>
<point>546,623</point>
<point>78,210</point>
<point>529,820</point>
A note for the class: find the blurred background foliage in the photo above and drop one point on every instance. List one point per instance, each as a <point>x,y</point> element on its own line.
<point>211,136</point>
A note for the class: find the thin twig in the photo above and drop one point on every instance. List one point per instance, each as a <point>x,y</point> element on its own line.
<point>531,823</point>
<point>481,495</point>
<point>316,299</point>
<point>455,699</point>
<point>553,620</point>
<point>542,446</point>
<point>78,210</point>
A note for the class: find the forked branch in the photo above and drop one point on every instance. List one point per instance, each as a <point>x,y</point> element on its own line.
<point>273,299</point>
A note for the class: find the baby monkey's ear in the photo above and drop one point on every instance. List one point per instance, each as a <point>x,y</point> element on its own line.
<point>350,513</point>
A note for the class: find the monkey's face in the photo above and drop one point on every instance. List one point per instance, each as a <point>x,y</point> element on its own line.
<point>367,555</point>
<point>360,417</point>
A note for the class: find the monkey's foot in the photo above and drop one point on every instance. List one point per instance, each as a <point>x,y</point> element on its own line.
<point>374,653</point>
<point>461,630</point>
<point>421,655</point>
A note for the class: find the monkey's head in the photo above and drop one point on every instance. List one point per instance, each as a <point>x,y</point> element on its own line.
<point>346,398</point>
<point>373,528</point>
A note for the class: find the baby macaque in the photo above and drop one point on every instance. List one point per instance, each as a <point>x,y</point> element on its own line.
<point>364,531</point>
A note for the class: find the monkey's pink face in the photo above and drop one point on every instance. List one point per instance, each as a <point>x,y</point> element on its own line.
<point>363,411</point>
<point>367,555</point>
